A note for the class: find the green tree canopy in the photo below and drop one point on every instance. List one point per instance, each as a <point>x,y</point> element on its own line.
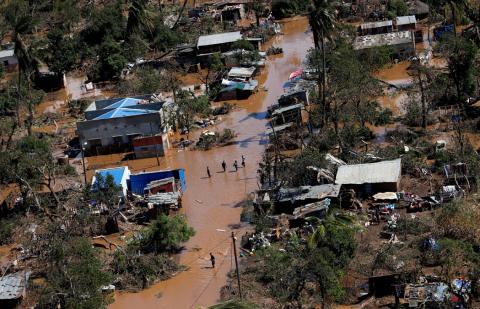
<point>75,276</point>
<point>167,233</point>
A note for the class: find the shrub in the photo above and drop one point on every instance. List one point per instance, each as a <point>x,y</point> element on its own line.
<point>7,227</point>
<point>166,233</point>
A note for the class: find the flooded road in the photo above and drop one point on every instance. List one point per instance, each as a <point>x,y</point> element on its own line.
<point>211,205</point>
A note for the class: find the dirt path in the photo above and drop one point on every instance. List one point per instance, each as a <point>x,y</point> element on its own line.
<point>210,204</point>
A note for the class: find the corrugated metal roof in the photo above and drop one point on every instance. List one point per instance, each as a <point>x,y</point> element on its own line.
<point>219,38</point>
<point>309,192</point>
<point>117,174</point>
<point>406,20</point>
<point>7,53</point>
<point>376,24</point>
<point>241,72</point>
<point>380,172</point>
<point>12,285</point>
<point>286,108</point>
<point>279,128</point>
<point>126,102</point>
<point>247,86</point>
<point>124,112</point>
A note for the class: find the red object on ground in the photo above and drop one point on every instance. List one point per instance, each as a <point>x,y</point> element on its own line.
<point>295,74</point>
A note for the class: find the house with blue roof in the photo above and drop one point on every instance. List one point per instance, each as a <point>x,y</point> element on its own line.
<point>111,125</point>
<point>120,177</point>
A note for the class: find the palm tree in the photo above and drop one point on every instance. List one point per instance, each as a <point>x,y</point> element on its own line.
<point>180,14</point>
<point>138,17</point>
<point>258,8</point>
<point>19,18</point>
<point>322,225</point>
<point>322,22</point>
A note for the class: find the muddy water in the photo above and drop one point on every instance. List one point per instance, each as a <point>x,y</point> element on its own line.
<point>210,204</point>
<point>396,73</point>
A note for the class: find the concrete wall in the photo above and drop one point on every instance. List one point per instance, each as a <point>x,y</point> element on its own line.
<point>400,51</point>
<point>106,130</point>
<point>403,51</point>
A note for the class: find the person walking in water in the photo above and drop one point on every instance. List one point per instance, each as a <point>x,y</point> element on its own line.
<point>208,172</point>
<point>235,165</point>
<point>224,166</point>
<point>212,260</point>
<point>243,161</point>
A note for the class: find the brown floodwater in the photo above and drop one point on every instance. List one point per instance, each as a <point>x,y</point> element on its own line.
<point>211,205</point>
<point>395,72</point>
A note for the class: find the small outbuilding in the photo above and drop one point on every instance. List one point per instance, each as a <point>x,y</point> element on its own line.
<point>217,43</point>
<point>292,113</point>
<point>406,23</point>
<point>288,199</point>
<point>241,74</point>
<point>371,178</point>
<point>150,146</point>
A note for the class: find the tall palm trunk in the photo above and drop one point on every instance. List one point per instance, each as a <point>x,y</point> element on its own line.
<point>324,79</point>
<point>454,17</point>
<point>180,14</point>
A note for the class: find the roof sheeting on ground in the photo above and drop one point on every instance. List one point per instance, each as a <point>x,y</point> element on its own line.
<point>379,172</point>
<point>165,198</point>
<point>313,209</point>
<point>386,196</point>
<point>406,20</point>
<point>12,286</point>
<point>117,174</point>
<point>219,38</point>
<point>309,192</point>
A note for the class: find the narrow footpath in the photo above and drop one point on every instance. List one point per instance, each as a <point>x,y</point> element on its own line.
<point>211,204</point>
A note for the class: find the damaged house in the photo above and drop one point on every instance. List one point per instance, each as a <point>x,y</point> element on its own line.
<point>288,114</point>
<point>112,125</point>
<point>370,178</point>
<point>402,43</point>
<point>239,84</point>
<point>217,43</point>
<point>288,199</point>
